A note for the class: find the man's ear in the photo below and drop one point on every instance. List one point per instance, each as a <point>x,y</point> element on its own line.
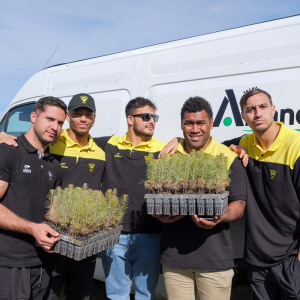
<point>130,120</point>
<point>68,116</point>
<point>33,117</point>
<point>273,110</point>
<point>243,116</point>
<point>211,123</point>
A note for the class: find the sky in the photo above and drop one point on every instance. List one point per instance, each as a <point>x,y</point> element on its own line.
<point>31,30</point>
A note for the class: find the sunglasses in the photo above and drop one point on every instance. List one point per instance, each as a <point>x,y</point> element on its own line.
<point>147,117</point>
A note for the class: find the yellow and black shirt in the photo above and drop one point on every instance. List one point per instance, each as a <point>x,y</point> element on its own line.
<point>184,245</point>
<point>126,171</point>
<point>79,165</point>
<point>273,215</point>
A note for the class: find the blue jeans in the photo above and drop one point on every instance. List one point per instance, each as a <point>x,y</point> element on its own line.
<point>135,259</point>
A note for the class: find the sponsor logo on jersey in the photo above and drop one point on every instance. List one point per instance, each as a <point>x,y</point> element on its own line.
<point>92,166</point>
<point>26,169</point>
<point>64,166</point>
<point>118,155</point>
<point>273,173</point>
<point>50,175</point>
<point>84,99</point>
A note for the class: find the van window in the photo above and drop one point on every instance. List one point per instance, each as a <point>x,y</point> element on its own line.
<point>19,119</point>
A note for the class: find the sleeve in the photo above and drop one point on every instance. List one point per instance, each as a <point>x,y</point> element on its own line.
<point>101,141</point>
<point>238,181</point>
<point>235,141</point>
<point>8,159</point>
<point>296,177</point>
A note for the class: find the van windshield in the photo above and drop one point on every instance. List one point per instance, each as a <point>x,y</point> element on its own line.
<point>19,119</point>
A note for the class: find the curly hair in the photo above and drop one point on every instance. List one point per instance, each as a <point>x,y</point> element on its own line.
<point>195,104</point>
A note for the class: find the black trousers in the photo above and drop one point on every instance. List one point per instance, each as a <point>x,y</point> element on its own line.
<point>75,276</point>
<point>280,282</point>
<point>30,283</point>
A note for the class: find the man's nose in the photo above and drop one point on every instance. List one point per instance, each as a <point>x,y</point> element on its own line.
<point>83,118</point>
<point>195,128</point>
<point>54,125</point>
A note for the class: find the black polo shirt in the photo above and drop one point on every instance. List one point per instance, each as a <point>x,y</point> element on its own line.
<point>79,165</point>
<point>30,180</point>
<point>126,171</point>
<point>273,210</point>
<point>184,245</point>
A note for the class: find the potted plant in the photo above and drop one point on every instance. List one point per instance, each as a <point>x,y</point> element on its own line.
<point>88,221</point>
<point>187,184</point>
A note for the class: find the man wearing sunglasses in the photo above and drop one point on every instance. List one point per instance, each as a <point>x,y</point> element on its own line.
<point>135,258</point>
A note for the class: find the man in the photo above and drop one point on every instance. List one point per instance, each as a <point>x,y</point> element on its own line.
<point>197,252</point>
<point>272,228</point>
<point>82,161</point>
<point>135,258</point>
<point>27,174</point>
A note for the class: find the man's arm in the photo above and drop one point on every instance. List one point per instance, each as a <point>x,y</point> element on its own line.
<point>10,221</point>
<point>101,141</point>
<point>235,211</point>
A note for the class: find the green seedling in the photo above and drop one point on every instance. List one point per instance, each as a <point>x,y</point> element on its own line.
<point>82,211</point>
<point>196,173</point>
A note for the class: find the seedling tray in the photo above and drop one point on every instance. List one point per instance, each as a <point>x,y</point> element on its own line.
<point>79,250</point>
<point>207,205</point>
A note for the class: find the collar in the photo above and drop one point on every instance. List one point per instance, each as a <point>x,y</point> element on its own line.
<point>180,148</point>
<point>70,143</point>
<point>150,143</point>
<point>277,142</point>
<point>30,149</point>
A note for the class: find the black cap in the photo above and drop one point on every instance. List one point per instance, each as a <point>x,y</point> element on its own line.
<point>82,100</point>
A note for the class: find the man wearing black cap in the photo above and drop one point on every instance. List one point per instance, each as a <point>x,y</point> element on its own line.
<point>82,161</point>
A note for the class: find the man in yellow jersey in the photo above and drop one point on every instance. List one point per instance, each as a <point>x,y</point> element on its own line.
<point>135,258</point>
<point>82,161</point>
<point>273,227</point>
<point>197,252</point>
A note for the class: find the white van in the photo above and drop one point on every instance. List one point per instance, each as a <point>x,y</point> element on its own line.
<point>217,66</point>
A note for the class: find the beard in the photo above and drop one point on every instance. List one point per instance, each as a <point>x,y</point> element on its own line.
<point>39,134</point>
<point>142,132</point>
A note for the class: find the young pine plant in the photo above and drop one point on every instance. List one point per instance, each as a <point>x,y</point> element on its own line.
<point>82,211</point>
<point>187,174</point>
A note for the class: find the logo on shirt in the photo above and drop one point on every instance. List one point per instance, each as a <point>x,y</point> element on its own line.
<point>92,166</point>
<point>273,173</point>
<point>64,166</point>
<point>26,169</point>
<point>118,155</point>
<point>50,175</point>
<point>84,99</point>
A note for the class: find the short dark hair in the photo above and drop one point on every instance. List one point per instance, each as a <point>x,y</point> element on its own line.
<point>195,104</point>
<point>136,103</point>
<point>251,93</point>
<point>51,101</point>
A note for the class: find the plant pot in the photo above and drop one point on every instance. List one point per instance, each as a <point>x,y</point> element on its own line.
<point>207,205</point>
<point>79,250</point>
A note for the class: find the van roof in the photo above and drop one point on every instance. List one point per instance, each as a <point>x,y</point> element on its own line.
<point>145,47</point>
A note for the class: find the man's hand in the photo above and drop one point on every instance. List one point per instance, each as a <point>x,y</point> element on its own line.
<point>170,148</point>
<point>206,224</point>
<point>168,219</point>
<point>299,254</point>
<point>8,139</point>
<point>45,236</point>
<point>241,152</point>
